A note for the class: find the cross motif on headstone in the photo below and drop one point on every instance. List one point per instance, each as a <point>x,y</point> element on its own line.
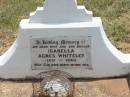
<point>61,11</point>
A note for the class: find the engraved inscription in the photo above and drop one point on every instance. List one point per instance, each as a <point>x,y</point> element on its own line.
<point>61,53</point>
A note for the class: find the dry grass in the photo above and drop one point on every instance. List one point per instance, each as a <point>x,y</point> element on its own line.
<point>6,41</point>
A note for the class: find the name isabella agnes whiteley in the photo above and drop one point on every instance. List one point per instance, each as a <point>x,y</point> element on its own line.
<point>64,48</point>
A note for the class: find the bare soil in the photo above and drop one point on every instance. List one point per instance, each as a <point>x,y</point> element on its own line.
<point>101,88</point>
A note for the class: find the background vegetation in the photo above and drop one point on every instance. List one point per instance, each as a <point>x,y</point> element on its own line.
<point>115,15</point>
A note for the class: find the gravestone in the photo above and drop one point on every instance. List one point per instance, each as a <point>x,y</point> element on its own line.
<point>66,37</point>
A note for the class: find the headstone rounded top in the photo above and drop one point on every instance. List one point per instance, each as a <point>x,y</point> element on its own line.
<point>61,11</point>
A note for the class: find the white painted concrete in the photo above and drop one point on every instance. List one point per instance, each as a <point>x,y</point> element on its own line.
<point>60,11</point>
<point>106,60</point>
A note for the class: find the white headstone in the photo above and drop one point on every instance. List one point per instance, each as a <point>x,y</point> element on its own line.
<point>63,36</point>
<point>61,11</point>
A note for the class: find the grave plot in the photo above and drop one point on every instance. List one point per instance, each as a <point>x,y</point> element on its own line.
<point>60,43</point>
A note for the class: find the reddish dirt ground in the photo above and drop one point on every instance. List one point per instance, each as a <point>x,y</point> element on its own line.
<point>100,88</point>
